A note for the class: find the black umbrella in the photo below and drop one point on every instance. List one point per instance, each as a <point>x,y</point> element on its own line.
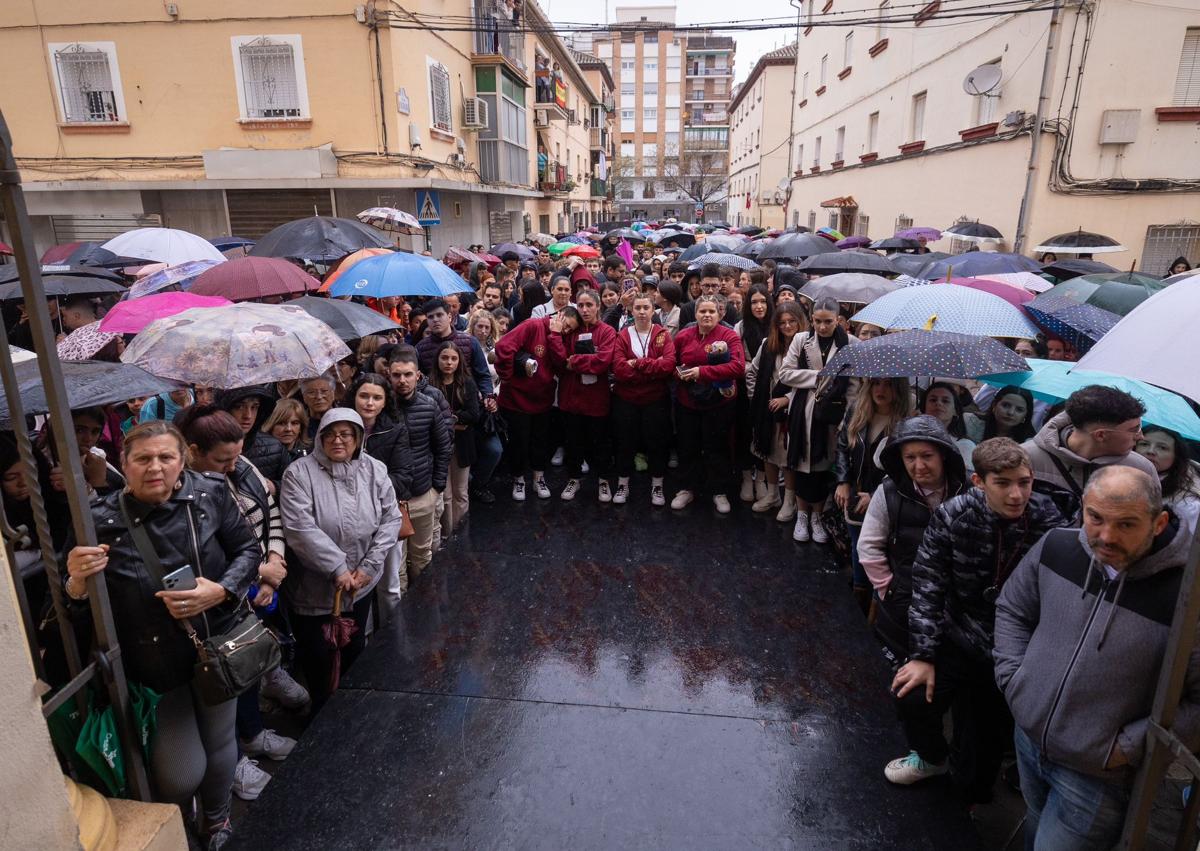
<point>721,223</point>
<point>10,273</point>
<point>723,242</point>
<point>911,264</point>
<point>1064,270</point>
<point>63,286</point>
<point>925,353</point>
<point>751,230</point>
<point>626,233</point>
<point>1080,242</point>
<point>973,232</point>
<point>319,238</point>
<point>795,246</point>
<point>895,243</point>
<point>753,248</point>
<point>348,320</point>
<point>667,235</point>
<point>94,254</point>
<point>848,261</point>
<point>699,250</point>
<point>88,383</point>
<point>1081,325</point>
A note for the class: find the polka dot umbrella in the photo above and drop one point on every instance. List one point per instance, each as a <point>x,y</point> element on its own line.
<point>943,307</point>
<point>1081,325</point>
<point>920,353</point>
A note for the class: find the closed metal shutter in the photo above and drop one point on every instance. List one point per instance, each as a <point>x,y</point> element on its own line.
<point>254,212</point>
<point>98,228</point>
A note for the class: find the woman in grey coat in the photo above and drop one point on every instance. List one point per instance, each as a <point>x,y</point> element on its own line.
<point>340,519</point>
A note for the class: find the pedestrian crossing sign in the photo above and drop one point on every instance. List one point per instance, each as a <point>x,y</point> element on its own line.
<point>429,207</point>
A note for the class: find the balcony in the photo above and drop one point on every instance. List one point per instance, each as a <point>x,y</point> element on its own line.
<point>598,139</point>
<point>699,71</point>
<point>555,180</point>
<point>599,188</point>
<point>498,41</point>
<point>550,94</point>
<point>712,118</point>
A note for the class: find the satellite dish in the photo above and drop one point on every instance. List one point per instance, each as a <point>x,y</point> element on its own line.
<point>782,190</point>
<point>983,80</point>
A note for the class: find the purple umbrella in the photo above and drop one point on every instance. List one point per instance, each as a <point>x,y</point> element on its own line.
<point>853,242</point>
<point>918,233</point>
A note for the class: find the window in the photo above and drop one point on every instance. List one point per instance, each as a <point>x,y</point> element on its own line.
<point>824,69</point>
<point>812,219</point>
<point>604,49</point>
<point>1187,81</point>
<point>880,26</point>
<point>89,84</point>
<point>848,50</point>
<point>628,49</point>
<point>649,91</point>
<point>872,132</point>
<point>650,38</point>
<point>839,148</point>
<point>504,144</point>
<point>673,63</point>
<point>903,222</point>
<point>269,71</point>
<point>917,127</point>
<point>862,225</point>
<point>627,149</point>
<point>627,66</point>
<point>983,110</point>
<point>697,94</point>
<point>1166,242</point>
<point>650,66</point>
<point>627,121</point>
<point>650,113</point>
<point>800,157</point>
<point>817,153</point>
<point>672,113</point>
<point>804,86</point>
<point>627,87</point>
<point>440,117</point>
<point>835,219</point>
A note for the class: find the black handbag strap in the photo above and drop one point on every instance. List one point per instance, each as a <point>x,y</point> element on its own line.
<point>145,548</point>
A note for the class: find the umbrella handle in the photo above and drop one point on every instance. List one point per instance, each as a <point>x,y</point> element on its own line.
<point>337,603</point>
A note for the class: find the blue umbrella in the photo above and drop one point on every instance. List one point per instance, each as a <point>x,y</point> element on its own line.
<point>224,243</point>
<point>1081,325</point>
<point>399,273</point>
<point>976,264</point>
<point>944,307</point>
<point>1053,381</point>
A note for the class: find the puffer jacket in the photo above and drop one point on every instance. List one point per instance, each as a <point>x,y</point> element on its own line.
<point>1050,444</point>
<point>967,549</point>
<point>262,450</point>
<point>429,440</point>
<point>388,444</point>
<point>156,651</point>
<point>337,517</point>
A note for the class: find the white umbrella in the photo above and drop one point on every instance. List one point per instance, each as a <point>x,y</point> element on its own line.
<point>1130,349</point>
<point>1022,280</point>
<point>164,245</point>
<point>390,219</point>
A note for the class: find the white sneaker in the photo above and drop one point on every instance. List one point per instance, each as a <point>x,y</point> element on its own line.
<point>721,503</point>
<point>682,499</point>
<point>605,492</point>
<point>801,533</point>
<point>820,534</point>
<point>541,488</point>
<point>787,510</point>
<point>249,780</point>
<point>519,490</point>
<point>270,744</point>
<point>621,494</point>
<point>657,497</point>
<point>279,686</point>
<point>912,769</point>
<point>572,488</point>
<point>769,502</point>
<point>557,458</point>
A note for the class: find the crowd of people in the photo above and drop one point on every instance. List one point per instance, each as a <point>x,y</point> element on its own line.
<point>1016,561</point>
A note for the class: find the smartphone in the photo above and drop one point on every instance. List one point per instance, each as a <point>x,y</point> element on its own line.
<point>182,579</point>
<point>628,284</point>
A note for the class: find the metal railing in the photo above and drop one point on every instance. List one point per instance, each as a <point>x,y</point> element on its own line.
<point>554,178</point>
<point>694,71</point>
<point>497,35</point>
<point>599,188</point>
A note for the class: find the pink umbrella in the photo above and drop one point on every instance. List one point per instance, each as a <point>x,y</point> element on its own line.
<point>1013,295</point>
<point>251,278</point>
<point>131,316</point>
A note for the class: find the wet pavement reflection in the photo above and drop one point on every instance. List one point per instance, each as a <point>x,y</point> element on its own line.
<point>593,676</point>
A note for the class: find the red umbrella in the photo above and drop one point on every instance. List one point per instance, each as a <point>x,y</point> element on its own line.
<point>58,253</point>
<point>250,278</point>
<point>337,634</point>
<point>5,248</point>
<point>491,260</point>
<point>584,251</point>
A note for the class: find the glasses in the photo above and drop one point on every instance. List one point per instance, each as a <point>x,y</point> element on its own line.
<point>338,436</point>
<point>317,392</point>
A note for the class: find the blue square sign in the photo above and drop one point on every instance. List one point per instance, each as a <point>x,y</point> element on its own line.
<point>429,207</point>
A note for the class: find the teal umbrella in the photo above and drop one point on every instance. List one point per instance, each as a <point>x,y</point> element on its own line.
<point>1118,292</point>
<point>1053,381</point>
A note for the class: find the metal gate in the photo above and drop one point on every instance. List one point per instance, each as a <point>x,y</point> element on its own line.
<point>1166,242</point>
<point>98,228</point>
<point>253,212</point>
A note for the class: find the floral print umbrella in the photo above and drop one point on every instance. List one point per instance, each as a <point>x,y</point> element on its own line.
<point>84,342</point>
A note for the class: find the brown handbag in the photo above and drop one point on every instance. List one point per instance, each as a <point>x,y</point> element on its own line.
<point>406,526</point>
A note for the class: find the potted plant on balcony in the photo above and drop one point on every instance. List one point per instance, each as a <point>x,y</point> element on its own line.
<point>569,186</point>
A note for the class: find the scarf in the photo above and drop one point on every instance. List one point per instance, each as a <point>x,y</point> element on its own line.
<point>800,424</point>
<point>762,421</point>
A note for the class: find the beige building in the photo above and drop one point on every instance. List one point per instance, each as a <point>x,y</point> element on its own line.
<point>911,119</point>
<point>708,85</point>
<point>759,151</point>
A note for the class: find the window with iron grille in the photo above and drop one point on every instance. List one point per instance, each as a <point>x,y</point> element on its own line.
<point>812,219</point>
<point>903,223</point>
<point>85,80</point>
<point>1166,242</point>
<point>1187,79</point>
<point>862,225</point>
<point>439,97</point>
<point>269,83</point>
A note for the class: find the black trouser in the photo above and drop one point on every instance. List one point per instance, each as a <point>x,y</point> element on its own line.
<point>704,448</point>
<point>982,722</point>
<point>315,655</point>
<point>528,442</point>
<point>588,440</point>
<point>636,426</point>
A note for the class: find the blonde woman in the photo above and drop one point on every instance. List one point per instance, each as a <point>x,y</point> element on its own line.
<point>288,423</point>
<point>483,327</point>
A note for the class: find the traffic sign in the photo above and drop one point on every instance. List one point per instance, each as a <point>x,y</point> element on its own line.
<point>429,207</point>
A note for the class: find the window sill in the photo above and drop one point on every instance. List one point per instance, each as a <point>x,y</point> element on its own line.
<point>845,72</point>
<point>89,127</point>
<point>438,133</point>
<point>1178,113</point>
<point>820,91</point>
<point>815,170</point>
<point>868,158</point>
<point>927,12</point>
<point>836,164</point>
<point>913,147</point>
<point>878,47</point>
<point>802,104</point>
<point>275,123</point>
<point>981,131</point>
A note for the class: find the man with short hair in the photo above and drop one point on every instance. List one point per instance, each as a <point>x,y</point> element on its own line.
<point>710,284</point>
<point>970,547</point>
<point>492,296</point>
<point>454,307</point>
<point>676,270</point>
<point>511,259</point>
<point>592,264</point>
<point>614,268</point>
<point>728,277</point>
<point>1082,627</point>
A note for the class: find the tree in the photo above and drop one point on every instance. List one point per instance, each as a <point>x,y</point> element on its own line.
<point>699,175</point>
<point>621,176</point>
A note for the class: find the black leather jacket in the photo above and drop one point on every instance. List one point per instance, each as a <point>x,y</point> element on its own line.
<point>157,652</point>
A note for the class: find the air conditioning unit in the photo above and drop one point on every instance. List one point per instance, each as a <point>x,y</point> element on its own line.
<point>458,160</point>
<point>541,118</point>
<point>475,114</point>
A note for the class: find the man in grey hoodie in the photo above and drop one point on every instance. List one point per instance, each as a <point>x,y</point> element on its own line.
<point>1081,630</point>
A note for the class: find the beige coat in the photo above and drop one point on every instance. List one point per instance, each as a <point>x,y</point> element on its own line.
<point>799,371</point>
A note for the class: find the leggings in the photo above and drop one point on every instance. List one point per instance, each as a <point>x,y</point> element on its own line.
<point>529,443</point>
<point>647,425</point>
<point>195,752</point>
<point>588,439</point>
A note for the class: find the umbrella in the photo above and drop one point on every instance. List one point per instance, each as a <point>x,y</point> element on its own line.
<point>940,307</point>
<point>169,277</point>
<point>5,248</point>
<point>1053,381</point>
<point>896,243</point>
<point>236,346</point>
<point>84,342</point>
<point>399,273</point>
<point>795,246</point>
<point>346,262</point>
<point>1080,242</point>
<point>542,239</point>
<point>1073,268</point>
<point>132,315</point>
<point>1016,296</point>
<point>225,243</point>
<point>250,278</point>
<point>1024,280</point>
<point>522,251</point>
<point>974,232</point>
<point>912,264</point>
<point>977,264</point>
<point>847,261</point>
<point>734,260</point>
<point>164,245</point>
<point>724,241</point>
<point>349,320</point>
<point>491,260</point>
<point>919,233</point>
<point>1182,276</point>
<point>625,233</point>
<point>87,382</point>
<point>853,242</point>
<point>920,353</point>
<point>832,234</point>
<point>11,273</point>
<point>62,287</point>
<point>701,249</point>
<point>391,219</point>
<point>750,230</point>
<point>87,254</point>
<point>849,287</point>
<point>557,249</point>
<point>318,238</point>
<point>1081,325</point>
<point>337,634</point>
<point>584,251</point>
<point>669,235</point>
<point>1118,293</point>
<point>753,248</point>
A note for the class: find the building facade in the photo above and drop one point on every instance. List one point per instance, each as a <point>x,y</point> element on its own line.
<point>910,119</point>
<point>703,165</point>
<point>760,153</point>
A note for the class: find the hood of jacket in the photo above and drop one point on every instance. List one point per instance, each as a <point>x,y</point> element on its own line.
<point>581,273</point>
<point>227,399</point>
<point>930,430</point>
<point>338,415</point>
<point>1052,437</point>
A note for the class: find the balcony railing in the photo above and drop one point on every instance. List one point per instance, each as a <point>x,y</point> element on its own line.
<point>694,71</point>
<point>555,179</point>
<point>599,139</point>
<point>715,118</point>
<point>497,35</point>
<point>599,188</point>
<point>550,93</point>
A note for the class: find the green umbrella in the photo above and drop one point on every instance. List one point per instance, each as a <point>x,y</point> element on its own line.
<point>1118,292</point>
<point>558,248</point>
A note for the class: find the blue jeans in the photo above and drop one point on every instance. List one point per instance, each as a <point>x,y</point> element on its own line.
<point>1067,811</point>
<point>488,452</point>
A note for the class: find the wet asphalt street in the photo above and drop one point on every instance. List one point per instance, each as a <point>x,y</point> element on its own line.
<point>584,676</point>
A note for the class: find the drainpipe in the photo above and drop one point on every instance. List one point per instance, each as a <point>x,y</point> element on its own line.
<point>1035,144</point>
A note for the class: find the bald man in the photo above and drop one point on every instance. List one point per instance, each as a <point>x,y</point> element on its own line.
<point>1081,629</point>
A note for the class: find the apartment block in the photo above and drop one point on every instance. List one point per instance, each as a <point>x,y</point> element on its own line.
<point>760,165</point>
